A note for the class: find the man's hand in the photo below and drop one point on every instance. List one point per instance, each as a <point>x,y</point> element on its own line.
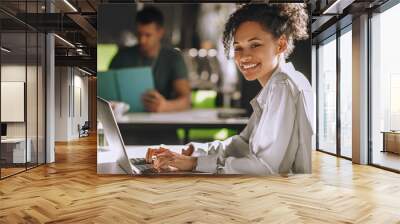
<point>153,101</point>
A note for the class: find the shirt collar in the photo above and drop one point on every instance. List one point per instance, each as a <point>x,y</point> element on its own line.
<point>283,67</point>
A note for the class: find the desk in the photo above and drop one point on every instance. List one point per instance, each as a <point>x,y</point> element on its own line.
<point>391,141</point>
<point>13,150</point>
<point>106,157</point>
<point>195,118</point>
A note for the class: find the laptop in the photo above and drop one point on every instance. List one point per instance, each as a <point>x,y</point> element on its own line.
<point>134,166</point>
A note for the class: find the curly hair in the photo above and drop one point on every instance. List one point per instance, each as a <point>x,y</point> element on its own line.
<point>289,19</point>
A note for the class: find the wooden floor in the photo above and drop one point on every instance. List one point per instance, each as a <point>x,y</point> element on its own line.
<point>5,172</point>
<point>70,191</point>
<point>10,171</point>
<point>387,159</point>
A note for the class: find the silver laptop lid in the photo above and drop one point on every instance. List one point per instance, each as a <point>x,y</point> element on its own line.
<point>111,132</point>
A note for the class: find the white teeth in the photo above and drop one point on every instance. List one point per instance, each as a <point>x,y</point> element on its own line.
<point>249,66</point>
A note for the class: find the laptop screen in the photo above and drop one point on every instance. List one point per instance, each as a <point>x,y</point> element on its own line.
<point>111,132</point>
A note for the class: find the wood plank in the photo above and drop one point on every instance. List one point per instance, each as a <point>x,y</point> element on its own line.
<point>70,191</point>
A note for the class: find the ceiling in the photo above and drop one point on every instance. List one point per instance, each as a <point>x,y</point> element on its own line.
<point>76,22</point>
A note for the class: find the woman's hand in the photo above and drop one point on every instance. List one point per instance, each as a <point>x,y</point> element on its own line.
<point>189,151</point>
<point>173,162</point>
<point>155,151</point>
<point>151,152</point>
<point>164,159</point>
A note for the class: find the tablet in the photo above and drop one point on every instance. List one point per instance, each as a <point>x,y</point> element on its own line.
<point>133,83</point>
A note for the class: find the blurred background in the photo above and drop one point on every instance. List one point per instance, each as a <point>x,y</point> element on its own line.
<point>53,50</point>
<point>195,30</point>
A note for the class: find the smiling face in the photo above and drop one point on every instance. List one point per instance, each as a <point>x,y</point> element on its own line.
<point>257,51</point>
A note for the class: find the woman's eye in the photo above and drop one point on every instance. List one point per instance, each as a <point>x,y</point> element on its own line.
<point>254,45</point>
<point>236,49</point>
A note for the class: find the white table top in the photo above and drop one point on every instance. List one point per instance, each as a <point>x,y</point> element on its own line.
<point>106,158</point>
<point>194,116</point>
<point>13,140</point>
<point>107,155</point>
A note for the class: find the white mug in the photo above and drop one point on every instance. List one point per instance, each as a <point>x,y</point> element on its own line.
<point>120,108</point>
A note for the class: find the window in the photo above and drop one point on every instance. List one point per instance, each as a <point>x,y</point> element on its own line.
<point>346,93</point>
<point>385,88</point>
<point>327,96</point>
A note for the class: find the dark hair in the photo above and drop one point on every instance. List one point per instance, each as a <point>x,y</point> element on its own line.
<point>289,19</point>
<point>150,14</point>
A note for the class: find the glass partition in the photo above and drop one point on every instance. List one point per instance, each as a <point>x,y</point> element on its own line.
<point>14,153</point>
<point>22,90</point>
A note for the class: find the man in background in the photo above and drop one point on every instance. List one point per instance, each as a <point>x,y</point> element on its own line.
<point>172,91</point>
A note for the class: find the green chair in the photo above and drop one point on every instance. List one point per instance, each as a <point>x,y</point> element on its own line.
<point>105,53</point>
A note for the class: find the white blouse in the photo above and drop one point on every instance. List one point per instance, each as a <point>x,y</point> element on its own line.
<point>278,136</point>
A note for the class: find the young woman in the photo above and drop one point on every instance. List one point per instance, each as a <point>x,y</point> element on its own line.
<point>277,138</point>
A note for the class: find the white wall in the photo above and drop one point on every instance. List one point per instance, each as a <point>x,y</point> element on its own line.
<point>81,82</point>
<point>71,94</point>
<point>13,73</point>
<point>33,127</point>
<point>79,112</point>
<point>62,81</point>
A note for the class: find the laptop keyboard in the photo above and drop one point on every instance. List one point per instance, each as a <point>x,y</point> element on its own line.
<point>138,161</point>
<point>140,164</point>
<point>146,168</point>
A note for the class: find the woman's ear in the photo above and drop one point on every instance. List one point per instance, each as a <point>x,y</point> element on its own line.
<point>282,44</point>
